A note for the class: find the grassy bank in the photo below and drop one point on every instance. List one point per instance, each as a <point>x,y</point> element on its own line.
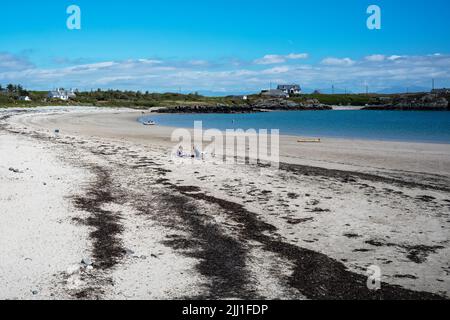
<point>343,99</point>
<point>118,99</point>
<point>147,100</point>
<point>140,100</point>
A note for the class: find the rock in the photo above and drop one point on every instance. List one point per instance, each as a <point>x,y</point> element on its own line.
<point>428,102</point>
<point>14,170</point>
<point>34,292</point>
<point>128,252</point>
<point>87,262</point>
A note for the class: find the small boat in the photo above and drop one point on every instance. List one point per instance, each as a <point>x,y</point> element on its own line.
<point>149,123</point>
<point>309,140</point>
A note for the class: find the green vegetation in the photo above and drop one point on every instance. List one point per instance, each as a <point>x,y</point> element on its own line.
<point>146,100</point>
<point>111,98</point>
<point>12,96</point>
<point>341,99</point>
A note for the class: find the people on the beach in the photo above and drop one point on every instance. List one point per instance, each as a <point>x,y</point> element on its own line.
<point>196,153</point>
<point>180,152</point>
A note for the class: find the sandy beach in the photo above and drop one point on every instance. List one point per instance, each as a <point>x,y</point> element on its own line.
<point>100,210</point>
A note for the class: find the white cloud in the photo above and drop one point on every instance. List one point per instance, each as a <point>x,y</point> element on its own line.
<point>197,75</point>
<point>275,58</point>
<point>376,58</point>
<point>110,80</point>
<point>92,66</point>
<point>276,70</point>
<point>12,62</point>
<point>150,61</point>
<point>338,62</point>
<point>394,57</point>
<point>295,56</point>
<point>270,59</point>
<point>199,62</point>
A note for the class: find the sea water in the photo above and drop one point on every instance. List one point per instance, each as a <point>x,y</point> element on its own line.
<point>417,126</point>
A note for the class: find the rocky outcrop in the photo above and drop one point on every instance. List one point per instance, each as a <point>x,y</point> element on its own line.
<point>278,104</point>
<point>208,109</point>
<point>258,106</point>
<point>429,102</point>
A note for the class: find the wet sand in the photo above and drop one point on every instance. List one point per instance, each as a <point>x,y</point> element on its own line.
<point>161,229</point>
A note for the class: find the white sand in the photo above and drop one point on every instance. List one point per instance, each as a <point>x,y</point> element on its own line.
<point>38,240</point>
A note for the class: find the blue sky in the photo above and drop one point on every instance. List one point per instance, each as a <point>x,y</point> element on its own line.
<point>225,46</point>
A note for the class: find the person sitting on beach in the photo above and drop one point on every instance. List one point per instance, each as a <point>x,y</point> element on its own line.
<point>197,154</point>
<point>180,152</point>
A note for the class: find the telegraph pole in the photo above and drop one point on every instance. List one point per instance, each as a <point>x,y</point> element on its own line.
<point>366,85</point>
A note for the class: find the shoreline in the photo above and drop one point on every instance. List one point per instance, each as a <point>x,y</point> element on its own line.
<point>201,230</point>
<point>148,113</point>
<point>346,154</point>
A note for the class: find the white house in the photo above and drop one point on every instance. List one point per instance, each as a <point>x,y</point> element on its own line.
<point>25,98</point>
<point>290,88</point>
<point>62,94</point>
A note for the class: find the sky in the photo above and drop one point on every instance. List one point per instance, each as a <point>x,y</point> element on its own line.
<point>225,46</point>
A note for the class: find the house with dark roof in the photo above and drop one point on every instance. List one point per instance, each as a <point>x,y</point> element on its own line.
<point>441,91</point>
<point>290,88</point>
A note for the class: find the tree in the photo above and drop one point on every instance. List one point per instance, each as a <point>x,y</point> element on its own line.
<point>22,92</point>
<point>10,88</point>
<point>19,90</point>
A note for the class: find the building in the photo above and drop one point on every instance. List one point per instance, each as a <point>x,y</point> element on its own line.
<point>275,93</point>
<point>25,98</point>
<point>290,88</point>
<point>441,91</point>
<point>385,99</point>
<point>61,94</point>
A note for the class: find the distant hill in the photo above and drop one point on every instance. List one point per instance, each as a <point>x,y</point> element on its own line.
<point>206,93</point>
<point>328,91</point>
<point>389,90</point>
<point>413,89</point>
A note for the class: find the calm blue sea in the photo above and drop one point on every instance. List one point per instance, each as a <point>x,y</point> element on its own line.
<point>416,126</point>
